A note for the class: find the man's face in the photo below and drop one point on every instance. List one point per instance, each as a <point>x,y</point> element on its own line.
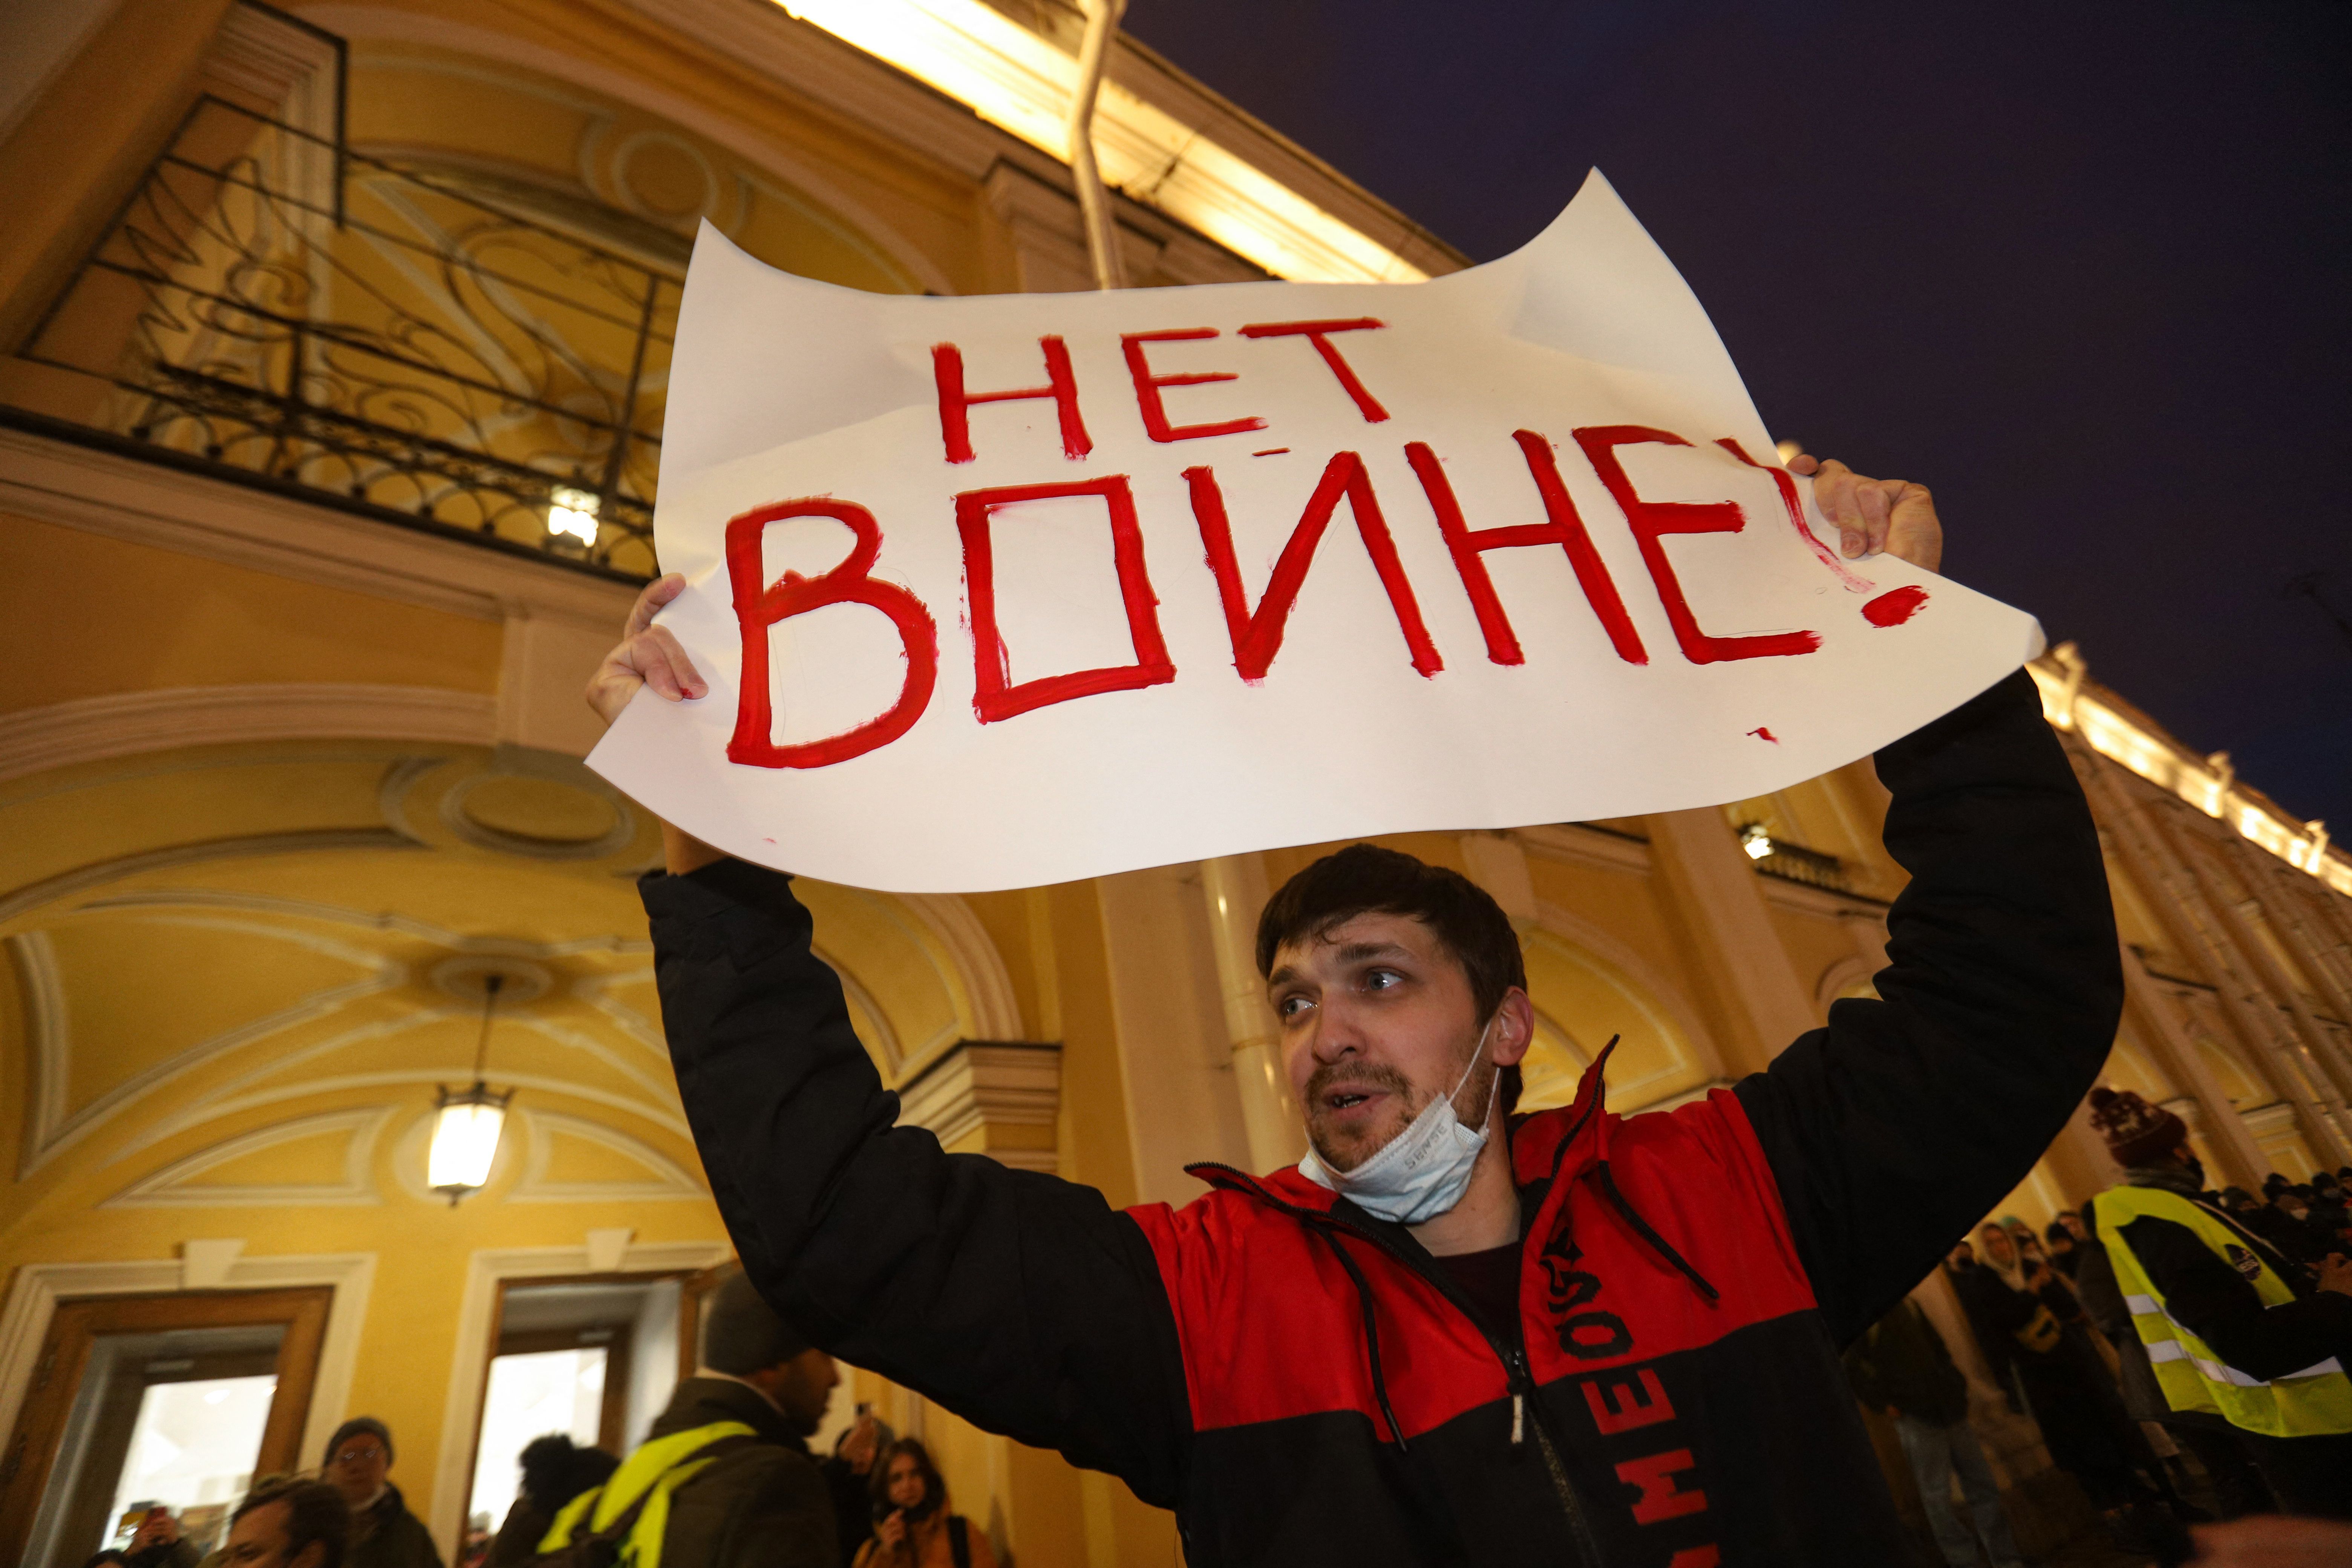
<point>1996,1245</point>
<point>1377,1021</point>
<point>802,1387</point>
<point>357,1467</point>
<point>2073,1223</point>
<point>259,1541</point>
<point>1963,1256</point>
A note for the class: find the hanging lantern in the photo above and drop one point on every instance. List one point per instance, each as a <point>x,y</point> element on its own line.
<point>468,1122</point>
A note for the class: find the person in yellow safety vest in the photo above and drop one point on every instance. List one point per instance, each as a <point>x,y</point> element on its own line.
<point>2233,1330</point>
<point>724,1479</point>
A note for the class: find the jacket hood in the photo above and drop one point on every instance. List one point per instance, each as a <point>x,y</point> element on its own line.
<point>699,1401</point>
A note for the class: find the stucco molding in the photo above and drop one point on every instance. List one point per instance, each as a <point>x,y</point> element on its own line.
<point>979,1084</point>
<point>667,1179</point>
<point>876,100</point>
<point>123,497</point>
<point>95,728</point>
<point>988,986</point>
<point>486,1272</point>
<point>1838,976</point>
<point>1803,898</point>
<point>1661,987</point>
<point>1576,845</point>
<point>169,1187</point>
<point>121,867</point>
<point>39,1287</point>
<point>50,1128</point>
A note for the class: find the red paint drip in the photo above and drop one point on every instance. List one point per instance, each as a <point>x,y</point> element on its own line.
<point>1767,734</point>
<point>1892,609</point>
<point>1271,452</point>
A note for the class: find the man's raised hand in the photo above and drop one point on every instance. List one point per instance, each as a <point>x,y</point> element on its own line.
<point>1872,515</point>
<point>646,654</point>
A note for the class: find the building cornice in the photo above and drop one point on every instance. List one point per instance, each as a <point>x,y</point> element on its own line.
<point>2122,734</point>
<point>1164,139</point>
<point>126,498</point>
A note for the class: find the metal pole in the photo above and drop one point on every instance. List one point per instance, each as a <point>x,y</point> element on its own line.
<point>1094,200</point>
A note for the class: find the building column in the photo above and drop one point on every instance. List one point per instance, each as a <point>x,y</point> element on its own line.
<point>2313,1053</point>
<point>2297,930</point>
<point>2243,1159</point>
<point>2175,904</point>
<point>1711,884</point>
<point>1499,867</point>
<point>1234,887</point>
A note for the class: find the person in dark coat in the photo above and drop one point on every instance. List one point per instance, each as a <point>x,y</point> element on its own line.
<point>2238,1488</point>
<point>2082,1422</point>
<point>554,1470</point>
<point>2253,1335</point>
<point>759,1499</point>
<point>1901,1365</point>
<point>384,1534</point>
<point>2066,1254</point>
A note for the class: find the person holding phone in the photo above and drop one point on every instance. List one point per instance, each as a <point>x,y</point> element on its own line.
<point>912,1526</point>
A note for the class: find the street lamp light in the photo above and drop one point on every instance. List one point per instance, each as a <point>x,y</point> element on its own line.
<point>467,1122</point>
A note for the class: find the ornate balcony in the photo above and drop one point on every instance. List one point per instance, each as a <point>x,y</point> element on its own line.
<point>272,309</point>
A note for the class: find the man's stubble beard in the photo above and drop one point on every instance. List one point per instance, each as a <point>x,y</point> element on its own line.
<point>1344,1154</point>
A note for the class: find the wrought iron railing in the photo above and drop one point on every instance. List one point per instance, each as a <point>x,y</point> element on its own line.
<point>271,307</point>
<point>1793,862</point>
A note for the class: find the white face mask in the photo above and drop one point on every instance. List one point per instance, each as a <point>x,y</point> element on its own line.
<point>1424,1170</point>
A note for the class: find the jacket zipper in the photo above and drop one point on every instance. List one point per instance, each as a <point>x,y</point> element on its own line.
<point>1520,1380</point>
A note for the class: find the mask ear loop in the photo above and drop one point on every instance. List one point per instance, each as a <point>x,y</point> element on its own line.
<point>1493,1089</point>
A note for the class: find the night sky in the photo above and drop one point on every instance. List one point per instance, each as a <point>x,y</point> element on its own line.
<point>2086,270</point>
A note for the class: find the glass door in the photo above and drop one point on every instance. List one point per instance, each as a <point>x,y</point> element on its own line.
<point>173,1402</point>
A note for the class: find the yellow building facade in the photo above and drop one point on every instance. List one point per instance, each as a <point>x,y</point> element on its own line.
<point>337,348</point>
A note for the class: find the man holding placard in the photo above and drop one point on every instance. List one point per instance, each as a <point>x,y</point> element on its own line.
<point>1450,1334</point>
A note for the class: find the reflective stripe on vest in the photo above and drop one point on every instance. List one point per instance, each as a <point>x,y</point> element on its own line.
<point>2312,1402</point>
<point>660,1467</point>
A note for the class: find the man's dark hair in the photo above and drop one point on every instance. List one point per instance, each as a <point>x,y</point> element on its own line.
<point>314,1511</point>
<point>555,1470</point>
<point>878,1479</point>
<point>1366,880</point>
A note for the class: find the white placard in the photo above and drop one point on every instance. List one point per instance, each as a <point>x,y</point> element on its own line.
<point>1246,565</point>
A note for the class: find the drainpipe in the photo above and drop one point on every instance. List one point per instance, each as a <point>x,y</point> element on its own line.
<point>1094,200</point>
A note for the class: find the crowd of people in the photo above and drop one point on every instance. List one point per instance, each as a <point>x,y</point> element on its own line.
<point>349,1514</point>
<point>725,1475</point>
<point>724,1479</point>
<point>2054,1329</point>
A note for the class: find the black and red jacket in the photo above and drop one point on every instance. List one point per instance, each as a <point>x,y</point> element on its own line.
<point>1300,1380</point>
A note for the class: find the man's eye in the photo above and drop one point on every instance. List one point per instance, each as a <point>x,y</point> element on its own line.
<point>1382,979</point>
<point>1291,1006</point>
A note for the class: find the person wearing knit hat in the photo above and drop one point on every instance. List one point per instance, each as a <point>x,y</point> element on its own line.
<point>2136,1132</point>
<point>756,1498</point>
<point>2241,1337</point>
<point>742,1337</point>
<point>384,1534</point>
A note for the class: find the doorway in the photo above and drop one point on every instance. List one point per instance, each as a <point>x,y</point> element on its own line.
<point>175,1401</point>
<point>593,1358</point>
